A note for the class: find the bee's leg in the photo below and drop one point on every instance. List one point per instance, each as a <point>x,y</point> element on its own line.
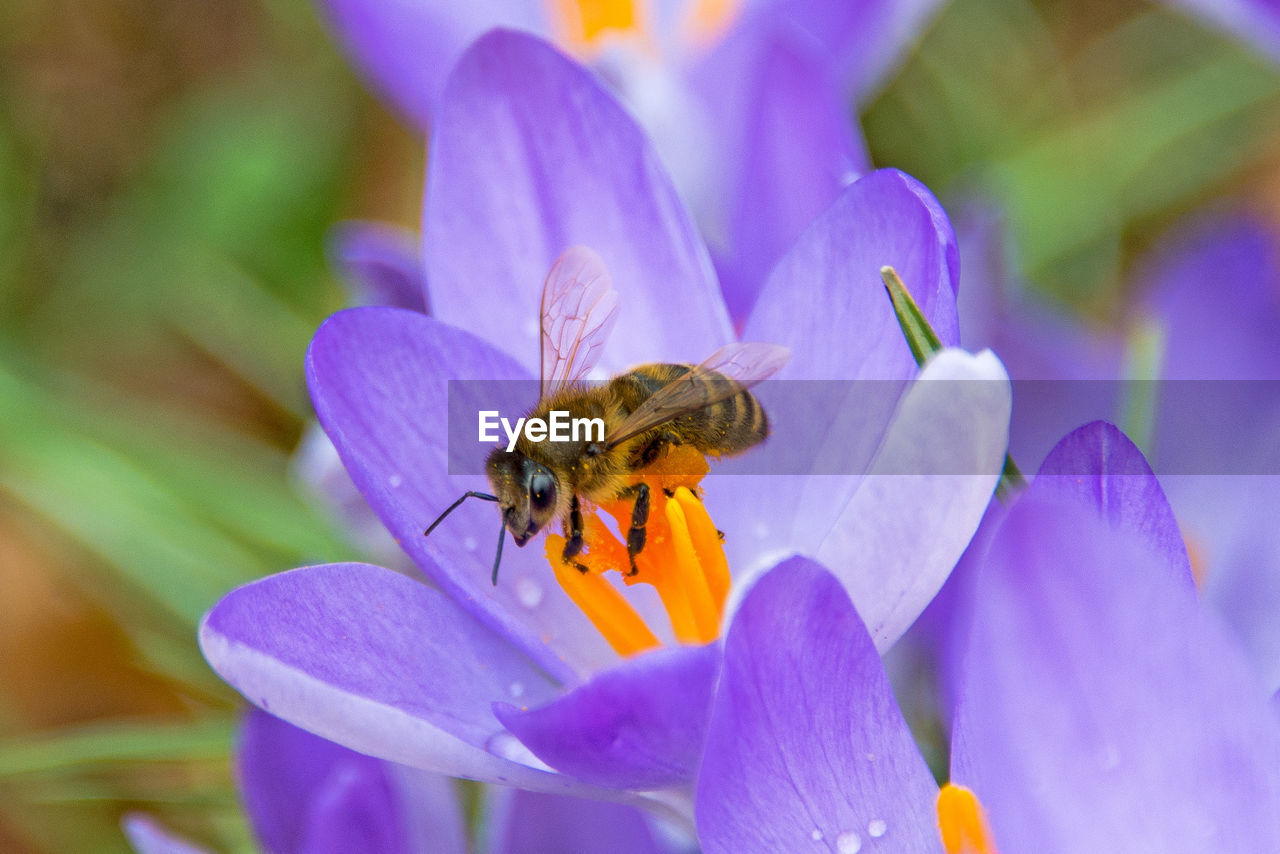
<point>656,446</point>
<point>639,518</point>
<point>573,535</point>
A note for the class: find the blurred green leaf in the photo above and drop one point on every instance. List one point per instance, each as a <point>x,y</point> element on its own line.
<point>1067,191</point>
<point>1080,151</point>
<point>75,748</point>
<point>179,522</point>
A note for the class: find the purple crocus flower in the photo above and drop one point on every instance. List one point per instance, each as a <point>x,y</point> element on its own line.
<point>1101,708</point>
<point>1209,288</point>
<point>747,102</point>
<point>1212,285</point>
<point>514,684</point>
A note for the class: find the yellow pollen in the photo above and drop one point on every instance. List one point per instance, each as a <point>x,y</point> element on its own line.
<point>682,558</point>
<point>584,25</point>
<point>962,823</point>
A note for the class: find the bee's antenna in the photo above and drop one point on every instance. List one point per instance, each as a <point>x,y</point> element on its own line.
<point>454,506</point>
<point>497,559</point>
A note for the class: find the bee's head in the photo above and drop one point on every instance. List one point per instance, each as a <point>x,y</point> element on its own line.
<point>527,493</point>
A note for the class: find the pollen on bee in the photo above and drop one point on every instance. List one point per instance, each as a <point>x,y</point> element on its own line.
<point>683,559</point>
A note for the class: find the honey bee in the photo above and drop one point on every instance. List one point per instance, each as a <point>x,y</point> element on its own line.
<point>645,411</point>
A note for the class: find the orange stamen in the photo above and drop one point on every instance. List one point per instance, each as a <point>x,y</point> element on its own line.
<point>706,542</point>
<point>583,25</point>
<point>962,823</point>
<point>604,606</point>
<point>682,559</point>
<point>688,573</point>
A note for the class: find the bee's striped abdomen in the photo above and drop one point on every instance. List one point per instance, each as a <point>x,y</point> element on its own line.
<point>727,426</point>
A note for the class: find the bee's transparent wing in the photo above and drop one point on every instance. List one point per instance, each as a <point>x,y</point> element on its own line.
<point>729,370</point>
<point>579,307</point>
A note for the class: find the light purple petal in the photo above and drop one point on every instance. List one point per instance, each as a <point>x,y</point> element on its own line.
<point>380,663</point>
<point>1103,709</point>
<point>1254,21</point>
<point>533,823</point>
<point>910,519</point>
<point>381,264</point>
<point>147,836</point>
<point>1099,468</point>
<point>639,725</point>
<point>379,382</point>
<point>826,300</point>
<point>1231,329</point>
<point>827,303</point>
<point>1230,525</point>
<point>806,742</point>
<point>304,793</point>
<point>785,142</point>
<point>406,47</point>
<point>1227,332</point>
<point>863,38</point>
<point>530,156</point>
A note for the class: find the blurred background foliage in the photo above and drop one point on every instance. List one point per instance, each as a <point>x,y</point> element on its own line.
<point>169,170</point>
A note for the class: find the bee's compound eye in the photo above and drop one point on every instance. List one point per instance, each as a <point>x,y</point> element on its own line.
<point>542,491</point>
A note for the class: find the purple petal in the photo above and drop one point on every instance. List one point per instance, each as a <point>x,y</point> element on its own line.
<point>826,300</point>
<point>1103,709</point>
<point>530,156</point>
<point>1230,331</point>
<point>407,47</point>
<point>147,836</point>
<point>786,147</point>
<point>894,534</point>
<point>532,823</point>
<point>379,663</point>
<point>807,749</point>
<point>1254,21</point>
<point>902,531</point>
<point>378,380</point>
<point>381,263</point>
<point>304,793</point>
<point>1229,522</point>
<point>637,726</point>
<point>1099,468</point>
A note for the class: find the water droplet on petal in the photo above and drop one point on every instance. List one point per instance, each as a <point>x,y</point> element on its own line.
<point>470,544</point>
<point>761,530</point>
<point>395,480</point>
<point>816,836</point>
<point>531,327</point>
<point>529,592</point>
<point>876,828</point>
<point>848,843</point>
<point>516,689</point>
